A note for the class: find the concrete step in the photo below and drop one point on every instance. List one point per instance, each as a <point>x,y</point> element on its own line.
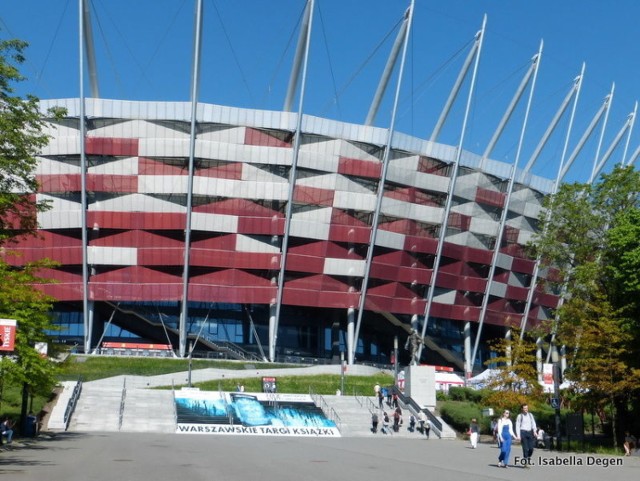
<point>149,410</point>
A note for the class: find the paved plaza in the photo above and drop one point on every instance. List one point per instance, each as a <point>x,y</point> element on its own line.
<point>187,457</point>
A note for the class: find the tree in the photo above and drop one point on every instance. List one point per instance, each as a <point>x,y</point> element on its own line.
<point>22,137</point>
<point>592,238</point>
<point>30,307</point>
<point>516,380</point>
<point>598,366</point>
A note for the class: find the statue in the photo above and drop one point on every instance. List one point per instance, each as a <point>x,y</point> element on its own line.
<point>412,345</point>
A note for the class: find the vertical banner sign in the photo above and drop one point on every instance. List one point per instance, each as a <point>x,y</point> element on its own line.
<point>7,334</point>
<point>547,377</point>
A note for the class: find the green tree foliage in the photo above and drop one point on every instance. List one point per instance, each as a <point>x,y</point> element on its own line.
<point>516,379</point>
<point>22,137</point>
<point>30,308</point>
<point>592,236</point>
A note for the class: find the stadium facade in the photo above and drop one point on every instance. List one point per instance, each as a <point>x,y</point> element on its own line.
<point>280,234</point>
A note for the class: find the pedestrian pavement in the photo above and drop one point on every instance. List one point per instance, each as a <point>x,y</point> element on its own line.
<point>75,456</point>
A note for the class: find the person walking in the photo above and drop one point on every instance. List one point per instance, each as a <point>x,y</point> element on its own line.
<point>385,423</point>
<point>374,422</point>
<point>474,432</point>
<point>526,430</point>
<point>505,435</point>
<point>422,419</point>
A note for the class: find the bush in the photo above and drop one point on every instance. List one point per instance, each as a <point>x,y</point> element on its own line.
<point>458,414</point>
<point>465,394</point>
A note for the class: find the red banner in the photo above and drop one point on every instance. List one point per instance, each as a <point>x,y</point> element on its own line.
<point>7,334</point>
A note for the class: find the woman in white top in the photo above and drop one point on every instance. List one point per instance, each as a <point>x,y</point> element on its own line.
<point>505,435</point>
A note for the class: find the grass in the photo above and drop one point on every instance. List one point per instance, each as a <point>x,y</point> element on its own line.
<point>91,368</point>
<point>319,384</point>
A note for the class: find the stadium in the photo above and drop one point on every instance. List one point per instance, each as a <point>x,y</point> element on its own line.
<point>193,228</point>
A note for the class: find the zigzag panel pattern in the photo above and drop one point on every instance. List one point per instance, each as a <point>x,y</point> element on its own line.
<point>137,185</point>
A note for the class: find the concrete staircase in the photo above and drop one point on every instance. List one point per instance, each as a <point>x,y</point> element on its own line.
<point>143,410</point>
<point>355,416</point>
<point>98,409</point>
<point>149,410</point>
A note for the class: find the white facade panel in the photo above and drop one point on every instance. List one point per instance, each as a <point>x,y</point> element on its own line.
<point>53,167</point>
<point>136,203</point>
<point>112,256</point>
<point>484,227</point>
<point>163,148</point>
<point>60,219</point>
<point>504,261</point>
<point>309,229</point>
<point>249,244</point>
<point>498,289</point>
<point>357,201</point>
<point>343,267</point>
<point>391,240</point>
<point>214,222</point>
<point>126,166</point>
<point>162,184</point>
<point>317,161</point>
<point>62,146</point>
<point>447,297</point>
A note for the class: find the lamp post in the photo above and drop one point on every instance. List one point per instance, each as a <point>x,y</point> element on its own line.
<point>395,360</point>
<point>342,366</point>
<point>190,353</point>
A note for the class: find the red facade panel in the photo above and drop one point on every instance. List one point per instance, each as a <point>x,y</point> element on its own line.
<point>233,260</point>
<point>490,197</point>
<point>137,220</point>
<point>112,183</point>
<point>360,168</point>
<point>468,254</point>
<point>62,255</point>
<point>424,245</point>
<point>316,298</point>
<point>241,294</point>
<point>303,263</point>
<point>111,146</point>
<point>161,256</point>
<point>59,183</point>
<point>517,293</point>
<point>524,266</point>
<point>136,292</point>
<point>137,238</point>
<point>230,171</point>
<point>147,166</point>
<point>264,138</point>
<point>313,196</point>
<point>68,291</point>
<point>354,235</point>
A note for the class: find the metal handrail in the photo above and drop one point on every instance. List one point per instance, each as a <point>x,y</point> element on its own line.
<point>71,405</point>
<point>326,409</point>
<point>122,399</point>
<point>407,401</point>
<point>362,400</point>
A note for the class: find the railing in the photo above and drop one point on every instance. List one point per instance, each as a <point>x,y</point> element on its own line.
<point>326,409</point>
<point>407,401</point>
<point>365,402</point>
<point>71,405</point>
<point>122,399</point>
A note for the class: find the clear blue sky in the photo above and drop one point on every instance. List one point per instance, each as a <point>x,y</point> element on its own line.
<point>144,53</point>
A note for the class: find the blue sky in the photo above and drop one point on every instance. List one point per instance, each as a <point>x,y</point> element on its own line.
<point>144,53</point>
